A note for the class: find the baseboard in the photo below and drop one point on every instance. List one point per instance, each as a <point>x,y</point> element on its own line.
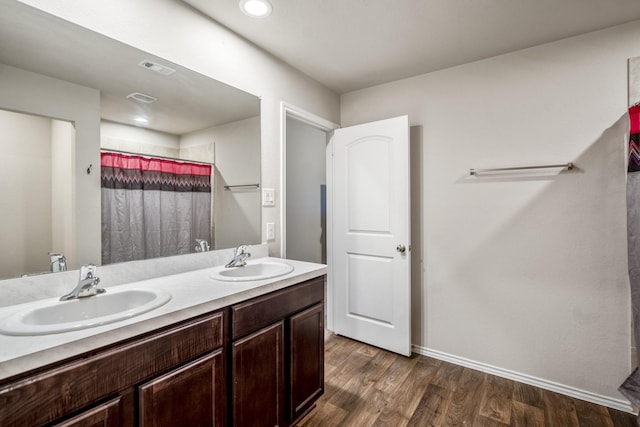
<point>619,404</point>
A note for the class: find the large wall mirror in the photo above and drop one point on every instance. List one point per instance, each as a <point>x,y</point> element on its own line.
<point>72,101</point>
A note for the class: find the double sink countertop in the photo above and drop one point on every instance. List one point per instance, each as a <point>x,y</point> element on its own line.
<point>193,293</point>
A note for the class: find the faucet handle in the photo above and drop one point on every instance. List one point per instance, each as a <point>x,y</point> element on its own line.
<point>87,271</point>
<point>55,256</point>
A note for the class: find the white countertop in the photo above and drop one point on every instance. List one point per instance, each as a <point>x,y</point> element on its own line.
<point>193,293</point>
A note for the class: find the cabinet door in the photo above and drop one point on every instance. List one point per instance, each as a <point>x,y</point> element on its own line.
<point>306,369</point>
<point>192,395</point>
<point>258,378</point>
<point>105,415</point>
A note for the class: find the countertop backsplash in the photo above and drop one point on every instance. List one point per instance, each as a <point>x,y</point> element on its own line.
<point>41,286</point>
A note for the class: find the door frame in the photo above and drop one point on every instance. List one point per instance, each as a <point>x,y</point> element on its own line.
<point>297,113</point>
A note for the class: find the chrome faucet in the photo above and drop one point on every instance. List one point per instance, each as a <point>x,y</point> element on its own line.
<point>87,284</point>
<point>239,258</point>
<point>58,262</point>
<point>202,245</point>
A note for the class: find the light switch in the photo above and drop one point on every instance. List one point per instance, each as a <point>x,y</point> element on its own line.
<point>268,197</point>
<point>271,231</point>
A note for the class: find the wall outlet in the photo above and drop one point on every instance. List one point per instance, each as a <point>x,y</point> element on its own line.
<point>271,231</point>
<point>268,197</point>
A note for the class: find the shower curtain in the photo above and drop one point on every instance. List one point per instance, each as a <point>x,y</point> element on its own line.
<point>152,207</point>
<point>631,386</point>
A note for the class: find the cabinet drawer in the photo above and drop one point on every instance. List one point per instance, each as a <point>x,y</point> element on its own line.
<point>44,397</point>
<point>107,415</point>
<point>259,312</point>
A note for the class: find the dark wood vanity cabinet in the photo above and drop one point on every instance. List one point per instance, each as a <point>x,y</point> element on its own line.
<point>126,384</point>
<point>257,363</point>
<point>277,358</point>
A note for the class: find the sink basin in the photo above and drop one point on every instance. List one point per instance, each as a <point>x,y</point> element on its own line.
<point>254,270</point>
<point>54,316</point>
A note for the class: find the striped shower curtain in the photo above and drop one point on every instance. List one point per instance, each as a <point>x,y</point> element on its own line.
<point>152,207</point>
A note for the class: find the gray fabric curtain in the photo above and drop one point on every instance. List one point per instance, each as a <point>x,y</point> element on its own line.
<point>631,386</point>
<point>153,207</point>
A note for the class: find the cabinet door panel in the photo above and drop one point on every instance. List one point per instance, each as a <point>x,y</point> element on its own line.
<point>258,378</point>
<point>306,370</point>
<point>192,395</point>
<point>105,415</point>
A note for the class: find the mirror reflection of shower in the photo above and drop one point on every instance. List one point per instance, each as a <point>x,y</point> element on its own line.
<point>76,82</point>
<point>152,206</point>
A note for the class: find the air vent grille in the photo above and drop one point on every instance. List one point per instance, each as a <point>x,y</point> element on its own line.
<point>141,97</point>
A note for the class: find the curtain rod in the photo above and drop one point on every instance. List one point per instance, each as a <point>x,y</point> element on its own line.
<point>109,150</point>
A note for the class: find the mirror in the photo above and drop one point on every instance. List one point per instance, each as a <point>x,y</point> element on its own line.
<point>53,69</point>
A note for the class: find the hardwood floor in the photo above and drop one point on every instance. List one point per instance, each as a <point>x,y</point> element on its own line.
<point>366,386</point>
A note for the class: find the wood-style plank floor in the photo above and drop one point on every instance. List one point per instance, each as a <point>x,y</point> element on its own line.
<point>367,386</point>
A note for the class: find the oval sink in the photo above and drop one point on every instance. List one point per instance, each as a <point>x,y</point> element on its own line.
<point>254,270</point>
<point>53,316</point>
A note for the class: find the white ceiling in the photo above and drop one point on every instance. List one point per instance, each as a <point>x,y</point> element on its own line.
<point>187,101</point>
<point>353,44</point>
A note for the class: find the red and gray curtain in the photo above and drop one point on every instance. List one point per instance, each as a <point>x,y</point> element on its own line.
<point>631,386</point>
<point>152,207</point>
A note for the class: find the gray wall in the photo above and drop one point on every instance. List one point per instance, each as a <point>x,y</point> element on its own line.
<point>306,173</point>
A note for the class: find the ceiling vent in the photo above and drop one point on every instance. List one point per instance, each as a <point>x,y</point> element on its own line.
<point>141,97</point>
<point>158,68</point>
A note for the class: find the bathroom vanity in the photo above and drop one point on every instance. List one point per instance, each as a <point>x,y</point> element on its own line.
<point>250,357</point>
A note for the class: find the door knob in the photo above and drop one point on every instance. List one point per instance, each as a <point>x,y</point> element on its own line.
<point>401,248</point>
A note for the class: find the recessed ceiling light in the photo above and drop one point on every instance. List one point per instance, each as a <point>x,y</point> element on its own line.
<point>141,120</point>
<point>256,8</point>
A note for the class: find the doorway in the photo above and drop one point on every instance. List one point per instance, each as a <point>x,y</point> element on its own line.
<point>301,130</point>
<point>304,196</point>
<point>306,185</point>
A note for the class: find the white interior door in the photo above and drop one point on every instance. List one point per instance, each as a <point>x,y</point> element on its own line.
<point>370,232</point>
